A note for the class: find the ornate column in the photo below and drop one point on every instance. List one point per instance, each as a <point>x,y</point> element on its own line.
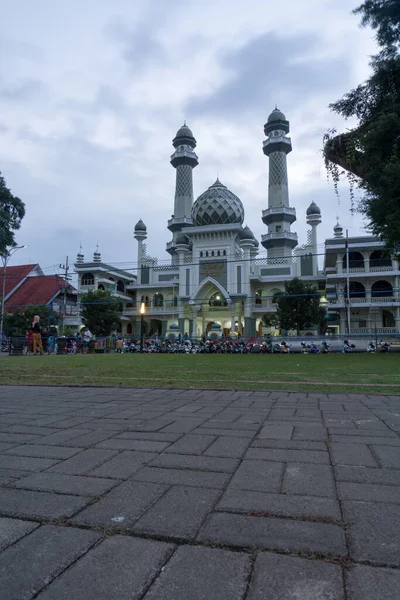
<point>196,308</point>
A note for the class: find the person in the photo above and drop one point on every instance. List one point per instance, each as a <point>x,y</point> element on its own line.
<point>36,334</point>
<point>87,336</point>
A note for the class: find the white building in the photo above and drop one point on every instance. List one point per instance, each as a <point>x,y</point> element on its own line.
<point>215,277</point>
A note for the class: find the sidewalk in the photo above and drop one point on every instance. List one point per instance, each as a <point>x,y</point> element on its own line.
<point>161,494</point>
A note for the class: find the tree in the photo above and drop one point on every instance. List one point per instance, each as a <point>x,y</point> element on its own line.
<point>12,211</point>
<point>101,311</point>
<point>370,152</point>
<point>21,321</point>
<point>297,306</point>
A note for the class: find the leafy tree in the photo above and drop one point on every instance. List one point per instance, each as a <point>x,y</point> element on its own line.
<point>21,321</point>
<point>370,152</point>
<point>12,211</point>
<point>298,305</point>
<point>101,311</point>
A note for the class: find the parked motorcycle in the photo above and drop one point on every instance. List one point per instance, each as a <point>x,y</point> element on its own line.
<point>371,348</point>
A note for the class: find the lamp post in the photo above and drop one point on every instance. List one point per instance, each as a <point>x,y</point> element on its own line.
<point>142,311</point>
<point>5,257</point>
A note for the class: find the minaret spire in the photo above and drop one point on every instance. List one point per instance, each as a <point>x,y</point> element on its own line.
<point>279,241</point>
<point>184,160</point>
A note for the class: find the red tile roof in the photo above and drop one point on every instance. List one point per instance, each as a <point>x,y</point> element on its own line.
<point>35,290</point>
<point>14,276</point>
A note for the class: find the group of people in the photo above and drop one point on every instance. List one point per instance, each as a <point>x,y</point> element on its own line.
<point>40,340</point>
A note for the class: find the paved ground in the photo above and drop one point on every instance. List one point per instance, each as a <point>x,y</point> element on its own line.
<point>185,495</point>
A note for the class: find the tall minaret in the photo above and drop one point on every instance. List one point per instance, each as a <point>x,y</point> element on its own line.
<point>184,159</point>
<point>313,215</point>
<point>279,241</point>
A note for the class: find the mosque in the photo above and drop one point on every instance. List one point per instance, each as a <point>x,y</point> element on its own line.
<point>215,281</point>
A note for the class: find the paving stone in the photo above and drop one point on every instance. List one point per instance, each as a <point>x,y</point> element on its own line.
<point>388,456</point>
<point>183,477</point>
<point>62,436</point>
<point>373,532</point>
<point>30,564</point>
<point>258,475</point>
<point>197,463</point>
<point>6,446</point>
<point>65,484</point>
<point>368,475</point>
<point>120,567</point>
<point>179,513</point>
<point>89,439</point>
<point>241,424</point>
<point>228,447</point>
<point>227,432</point>
<point>123,465</point>
<point>312,434</point>
<point>191,444</point>
<point>25,463</point>
<point>139,445</point>
<point>311,480</point>
<point>7,475</point>
<point>242,501</point>
<point>369,492</point>
<point>272,431</point>
<point>153,425</point>
<point>183,425</point>
<point>202,573</point>
<point>273,534</point>
<point>12,530</point>
<point>357,439</point>
<point>155,436</point>
<point>32,429</point>
<point>289,444</point>
<point>17,438</point>
<point>39,505</point>
<point>372,583</point>
<point>82,463</point>
<point>122,506</point>
<point>352,454</point>
<point>37,451</point>
<point>306,456</point>
<point>278,577</point>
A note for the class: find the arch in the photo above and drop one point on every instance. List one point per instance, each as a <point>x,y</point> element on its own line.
<point>129,329</point>
<point>111,279</point>
<point>120,286</point>
<point>388,319</point>
<point>87,279</point>
<point>272,294</point>
<point>217,299</point>
<point>207,287</point>
<point>381,289</point>
<point>258,295</point>
<point>357,290</point>
<point>158,300</point>
<point>356,261</point>
<point>101,287</point>
<point>145,300</point>
<point>378,259</point>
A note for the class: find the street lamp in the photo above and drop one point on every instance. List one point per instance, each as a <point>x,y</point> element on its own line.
<point>142,311</point>
<point>5,257</point>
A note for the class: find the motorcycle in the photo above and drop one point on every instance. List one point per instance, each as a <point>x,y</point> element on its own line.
<point>285,348</point>
<point>305,348</point>
<point>325,348</point>
<point>348,347</point>
<point>371,348</point>
<point>314,348</point>
<point>384,347</point>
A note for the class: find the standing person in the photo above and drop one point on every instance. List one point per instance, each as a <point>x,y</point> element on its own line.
<point>87,336</point>
<point>36,334</point>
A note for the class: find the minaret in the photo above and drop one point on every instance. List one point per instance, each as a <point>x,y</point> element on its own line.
<point>313,215</point>
<point>184,160</point>
<point>338,229</point>
<point>140,234</point>
<point>97,255</point>
<point>279,241</point>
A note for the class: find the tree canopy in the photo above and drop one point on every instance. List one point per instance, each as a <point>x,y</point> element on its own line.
<point>370,152</point>
<point>20,321</point>
<point>297,307</point>
<point>12,211</point>
<point>100,311</point>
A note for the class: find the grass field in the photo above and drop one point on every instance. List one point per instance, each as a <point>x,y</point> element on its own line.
<point>361,373</point>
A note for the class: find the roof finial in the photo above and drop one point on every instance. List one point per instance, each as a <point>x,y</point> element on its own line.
<point>184,122</point>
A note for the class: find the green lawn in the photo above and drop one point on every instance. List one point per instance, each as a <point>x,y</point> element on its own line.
<point>320,373</point>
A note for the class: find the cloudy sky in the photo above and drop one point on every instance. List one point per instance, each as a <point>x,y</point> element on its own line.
<point>92,93</point>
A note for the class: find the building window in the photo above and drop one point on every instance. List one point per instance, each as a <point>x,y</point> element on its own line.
<point>381,289</point>
<point>100,287</point>
<point>224,252</point>
<point>145,300</point>
<point>201,254</point>
<point>278,228</point>
<point>120,286</point>
<point>357,290</point>
<point>129,328</point>
<point>87,279</point>
<point>217,299</point>
<point>258,297</point>
<point>356,261</point>
<point>378,259</point>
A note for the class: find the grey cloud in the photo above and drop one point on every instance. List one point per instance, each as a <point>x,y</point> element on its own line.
<point>24,90</point>
<point>265,74</point>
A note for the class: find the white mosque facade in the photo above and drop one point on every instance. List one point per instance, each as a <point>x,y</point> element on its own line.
<point>216,281</point>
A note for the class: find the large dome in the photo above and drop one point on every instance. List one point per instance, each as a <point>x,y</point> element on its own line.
<point>276,115</point>
<point>217,206</point>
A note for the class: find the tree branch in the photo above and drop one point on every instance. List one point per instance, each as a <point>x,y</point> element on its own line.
<point>335,151</point>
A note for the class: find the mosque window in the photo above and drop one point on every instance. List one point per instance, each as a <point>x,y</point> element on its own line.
<point>278,228</point>
<point>212,252</point>
<point>224,252</point>
<point>219,253</point>
<point>100,287</point>
<point>258,297</point>
<point>145,300</point>
<point>158,300</point>
<point>217,299</point>
<point>201,254</point>
<point>207,253</point>
<point>87,279</point>
<point>129,329</point>
<point>120,286</point>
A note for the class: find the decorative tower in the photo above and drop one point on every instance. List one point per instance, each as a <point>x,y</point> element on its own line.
<point>184,160</point>
<point>338,230</point>
<point>140,234</point>
<point>97,255</point>
<point>80,259</point>
<point>313,215</point>
<point>279,241</point>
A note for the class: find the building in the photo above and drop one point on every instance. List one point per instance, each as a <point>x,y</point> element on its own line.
<point>27,285</point>
<point>215,279</point>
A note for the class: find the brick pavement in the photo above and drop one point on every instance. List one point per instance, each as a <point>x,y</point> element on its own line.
<point>191,494</point>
